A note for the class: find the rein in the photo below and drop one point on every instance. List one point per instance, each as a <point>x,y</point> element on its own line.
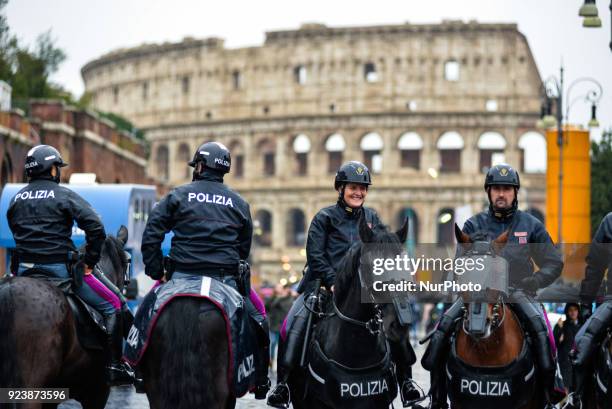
<point>374,325</point>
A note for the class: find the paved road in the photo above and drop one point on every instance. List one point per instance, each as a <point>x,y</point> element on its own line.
<point>127,398</point>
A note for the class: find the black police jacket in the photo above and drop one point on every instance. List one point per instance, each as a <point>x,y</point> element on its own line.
<point>528,242</point>
<point>598,260</point>
<point>211,223</point>
<point>41,217</point>
<point>332,232</point>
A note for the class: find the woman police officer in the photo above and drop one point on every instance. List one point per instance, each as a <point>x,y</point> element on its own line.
<point>333,230</point>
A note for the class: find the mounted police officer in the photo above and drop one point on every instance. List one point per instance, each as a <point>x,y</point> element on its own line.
<point>41,217</point>
<point>213,230</point>
<point>333,230</point>
<point>599,259</point>
<point>502,184</point>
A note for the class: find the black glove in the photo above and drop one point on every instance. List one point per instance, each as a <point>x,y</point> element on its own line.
<point>530,284</point>
<point>329,281</point>
<point>157,276</point>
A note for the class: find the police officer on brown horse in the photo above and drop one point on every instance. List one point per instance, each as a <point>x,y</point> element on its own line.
<point>41,217</point>
<point>502,184</point>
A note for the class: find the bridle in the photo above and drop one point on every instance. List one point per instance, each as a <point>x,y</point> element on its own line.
<point>375,324</point>
<point>499,315</point>
<point>499,310</point>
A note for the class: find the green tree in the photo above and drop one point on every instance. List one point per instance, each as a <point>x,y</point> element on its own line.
<point>28,71</point>
<point>123,124</point>
<point>601,169</point>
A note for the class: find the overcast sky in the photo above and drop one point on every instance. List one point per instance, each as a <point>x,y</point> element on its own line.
<point>87,29</point>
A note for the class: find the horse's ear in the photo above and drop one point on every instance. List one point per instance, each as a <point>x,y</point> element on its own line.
<point>402,233</point>
<point>461,236</point>
<point>365,233</point>
<point>501,241</point>
<point>122,234</point>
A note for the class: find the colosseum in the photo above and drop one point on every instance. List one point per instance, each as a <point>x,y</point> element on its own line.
<point>427,107</point>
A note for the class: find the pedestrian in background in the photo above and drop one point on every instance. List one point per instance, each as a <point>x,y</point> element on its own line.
<point>565,332</point>
<point>277,306</point>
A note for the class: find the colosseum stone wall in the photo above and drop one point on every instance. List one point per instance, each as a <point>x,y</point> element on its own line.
<point>427,107</point>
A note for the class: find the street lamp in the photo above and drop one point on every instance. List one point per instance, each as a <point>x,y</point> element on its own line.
<point>591,15</point>
<point>553,94</point>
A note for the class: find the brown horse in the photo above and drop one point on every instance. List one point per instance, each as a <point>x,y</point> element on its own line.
<point>39,347</point>
<point>501,342</point>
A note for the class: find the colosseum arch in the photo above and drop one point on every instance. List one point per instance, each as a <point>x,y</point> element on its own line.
<point>410,145</point>
<point>335,146</point>
<point>266,149</point>
<point>162,162</point>
<point>296,228</point>
<point>491,146</point>
<point>236,149</point>
<point>301,148</point>
<point>372,145</point>
<point>446,226</point>
<point>450,144</point>
<point>262,228</point>
<point>532,146</point>
<point>183,156</point>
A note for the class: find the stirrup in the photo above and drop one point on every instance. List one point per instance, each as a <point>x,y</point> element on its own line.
<point>282,394</point>
<point>119,374</point>
<point>573,402</point>
<point>414,387</point>
<point>261,390</point>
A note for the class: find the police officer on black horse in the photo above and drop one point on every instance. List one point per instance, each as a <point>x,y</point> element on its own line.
<point>213,230</point>
<point>41,217</point>
<point>333,230</point>
<point>599,259</point>
<point>502,184</point>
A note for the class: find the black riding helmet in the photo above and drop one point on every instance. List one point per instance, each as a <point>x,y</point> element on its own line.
<point>502,174</point>
<point>352,172</point>
<point>41,159</point>
<point>214,155</point>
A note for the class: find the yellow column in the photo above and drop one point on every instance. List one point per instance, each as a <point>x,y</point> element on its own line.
<point>576,211</point>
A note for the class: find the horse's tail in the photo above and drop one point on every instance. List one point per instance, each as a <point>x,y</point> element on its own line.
<point>10,375</point>
<point>191,341</point>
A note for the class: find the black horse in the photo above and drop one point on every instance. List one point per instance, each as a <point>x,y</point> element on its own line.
<point>186,362</point>
<point>347,336</point>
<point>598,378</point>
<point>39,346</point>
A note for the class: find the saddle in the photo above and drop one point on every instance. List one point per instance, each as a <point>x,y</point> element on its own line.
<point>342,386</point>
<point>89,322</point>
<point>241,334</point>
<point>503,387</point>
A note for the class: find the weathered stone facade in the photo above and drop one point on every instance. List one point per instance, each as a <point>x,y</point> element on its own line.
<point>426,106</point>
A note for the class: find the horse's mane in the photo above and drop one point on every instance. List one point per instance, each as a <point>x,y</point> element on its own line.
<point>480,235</point>
<point>114,248</point>
<point>350,262</point>
<point>111,252</point>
